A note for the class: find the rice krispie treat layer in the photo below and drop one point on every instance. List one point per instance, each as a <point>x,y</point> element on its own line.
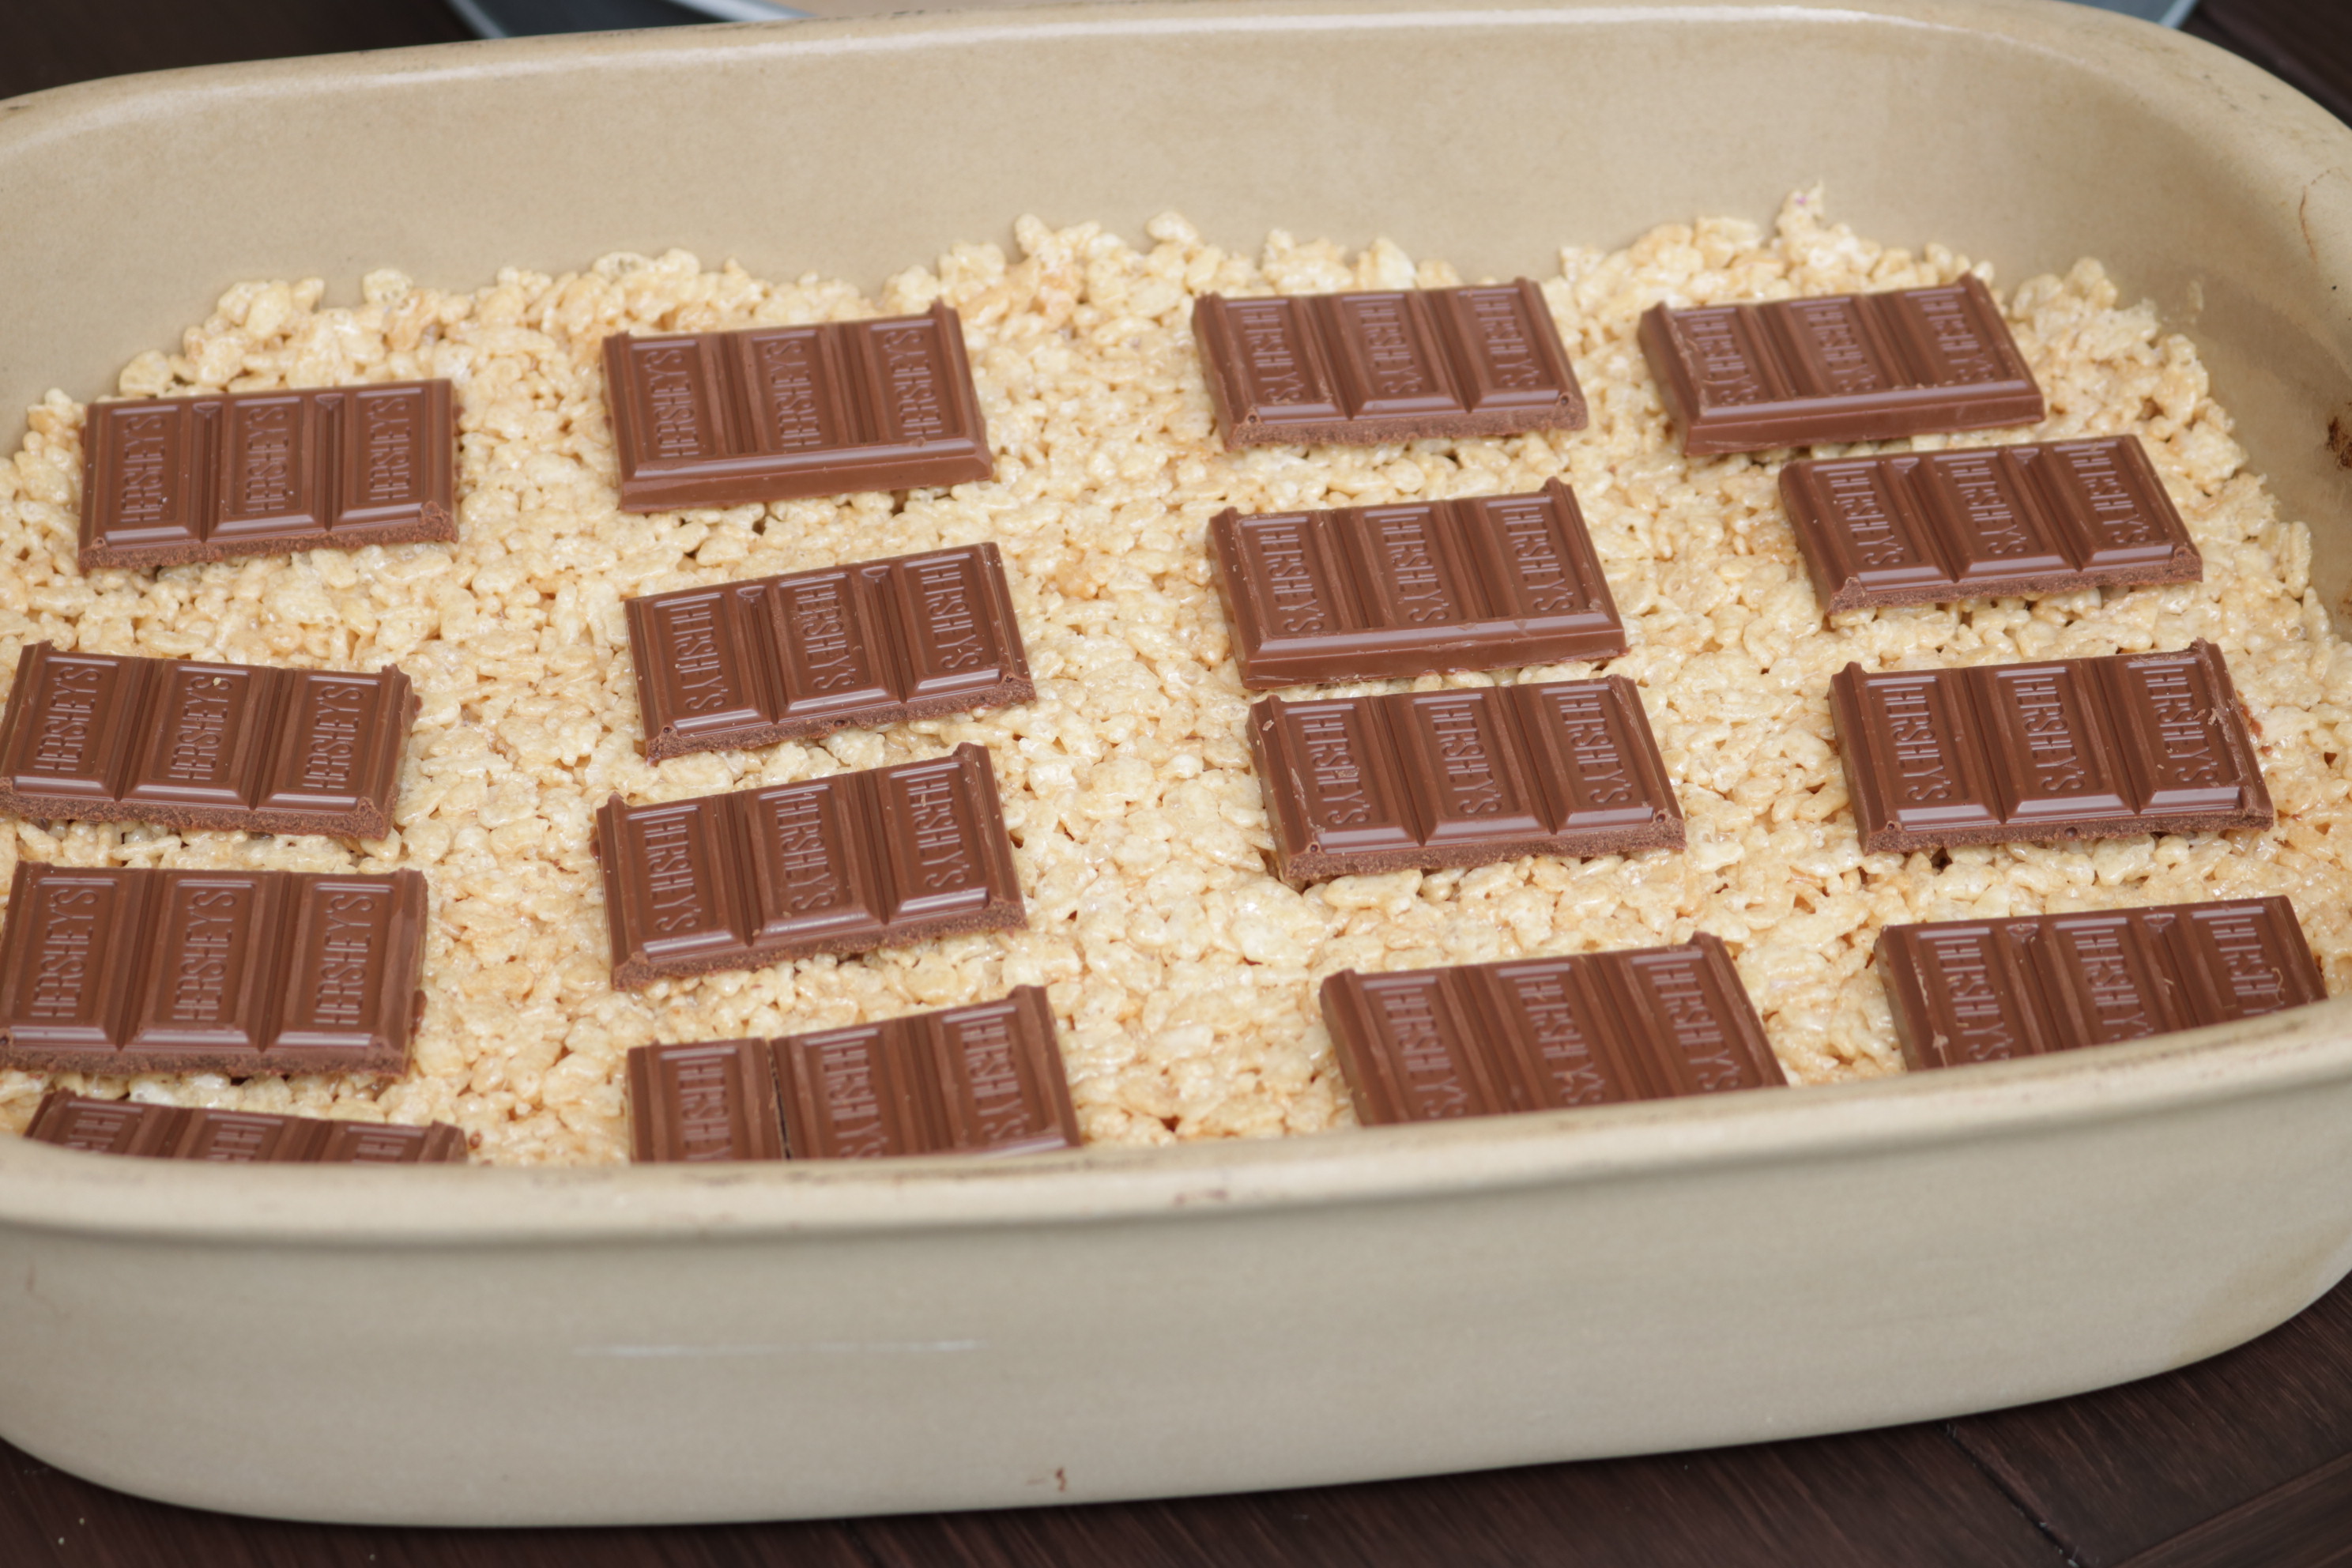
<point>1181,972</point>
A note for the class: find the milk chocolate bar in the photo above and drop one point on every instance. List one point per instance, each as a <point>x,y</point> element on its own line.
<point>1364,786</point>
<point>1925,528</point>
<point>712,1101</point>
<point>96,737</point>
<point>1842,367</point>
<point>778,413</point>
<point>1980,991</point>
<point>1543,1034</point>
<point>109,970</point>
<point>979,1079</point>
<point>858,860</point>
<point>778,659</point>
<point>2077,748</point>
<point>235,1137</point>
<point>1395,365</point>
<point>1371,593</point>
<point>171,480</point>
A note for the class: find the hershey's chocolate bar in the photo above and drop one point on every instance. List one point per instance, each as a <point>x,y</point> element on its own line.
<point>1842,367</point>
<point>1363,785</point>
<point>712,1100</point>
<point>237,1137</point>
<point>986,1078</point>
<point>779,413</point>
<point>2077,748</point>
<point>174,480</point>
<point>858,860</point>
<point>1980,991</point>
<point>1928,527</point>
<point>1373,593</point>
<point>778,659</point>
<point>1542,1033</point>
<point>243,973</point>
<point>1395,365</point>
<point>101,737</point>
<point>979,1079</point>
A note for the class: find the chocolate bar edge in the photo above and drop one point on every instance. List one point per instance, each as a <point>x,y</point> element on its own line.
<point>442,1142</point>
<point>665,744</point>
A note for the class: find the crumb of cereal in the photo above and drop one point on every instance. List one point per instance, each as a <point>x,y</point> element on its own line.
<point>1183,974</point>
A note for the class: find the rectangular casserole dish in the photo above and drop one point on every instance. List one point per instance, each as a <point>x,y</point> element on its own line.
<point>472,1346</point>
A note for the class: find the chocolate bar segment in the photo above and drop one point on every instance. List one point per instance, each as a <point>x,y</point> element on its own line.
<point>242,972</point>
<point>2083,748</point>
<point>106,738</point>
<point>778,659</point>
<point>1399,365</point>
<point>979,1079</point>
<point>779,413</point>
<point>1544,1033</point>
<point>1978,991</point>
<point>1365,785</point>
<point>1376,593</point>
<point>697,1102</point>
<point>858,860</point>
<point>1923,528</point>
<point>1843,367</point>
<point>176,479</point>
<point>235,1137</point>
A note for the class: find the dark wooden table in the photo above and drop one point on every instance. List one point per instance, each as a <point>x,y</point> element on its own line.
<point>2243,1459</point>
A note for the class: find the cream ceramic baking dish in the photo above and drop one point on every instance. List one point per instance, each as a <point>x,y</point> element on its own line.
<point>484,1346</point>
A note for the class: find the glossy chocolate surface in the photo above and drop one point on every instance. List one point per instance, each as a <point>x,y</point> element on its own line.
<point>1364,786</point>
<point>176,479</point>
<point>858,860</point>
<point>1396,365</point>
<point>778,659</point>
<point>1840,367</point>
<point>778,413</point>
<point>1542,1034</point>
<point>1980,991</point>
<point>235,1137</point>
<point>1375,592</point>
<point>2080,747</point>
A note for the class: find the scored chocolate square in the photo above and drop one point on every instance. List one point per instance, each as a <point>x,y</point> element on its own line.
<point>243,973</point>
<point>1386,365</point>
<point>1366,785</point>
<point>2077,748</point>
<point>1374,592</point>
<point>1539,1033</point>
<point>776,659</point>
<point>1978,991</point>
<point>1840,367</point>
<point>169,480</point>
<point>843,864</point>
<point>104,738</point>
<point>778,413</point>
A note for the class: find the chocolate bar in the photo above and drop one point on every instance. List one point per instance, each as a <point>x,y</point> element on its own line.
<point>779,658</point>
<point>778,413</point>
<point>1980,991</point>
<point>94,737</point>
<point>242,972</point>
<point>235,1137</point>
<point>858,860</point>
<point>1925,528</point>
<point>1374,592</point>
<point>1842,367</point>
<point>979,1079</point>
<point>1545,1034</point>
<point>167,480</point>
<point>1364,786</point>
<point>2074,748</point>
<point>715,1100</point>
<point>1395,365</point>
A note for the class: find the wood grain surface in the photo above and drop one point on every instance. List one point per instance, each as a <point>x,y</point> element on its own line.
<point>2243,1459</point>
